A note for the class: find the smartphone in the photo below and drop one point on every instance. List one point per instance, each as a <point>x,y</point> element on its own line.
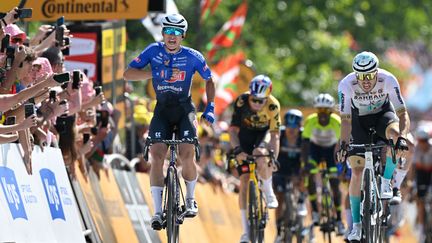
<point>53,95</point>
<point>10,120</point>
<point>102,117</point>
<point>98,90</point>
<point>86,137</point>
<point>10,56</point>
<point>94,130</point>
<point>32,100</point>
<point>76,79</point>
<point>66,50</point>
<point>29,110</point>
<point>62,77</point>
<point>5,43</point>
<point>59,35</point>
<point>24,13</point>
<point>60,21</point>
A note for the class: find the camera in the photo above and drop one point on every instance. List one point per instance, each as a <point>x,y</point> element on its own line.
<point>59,36</point>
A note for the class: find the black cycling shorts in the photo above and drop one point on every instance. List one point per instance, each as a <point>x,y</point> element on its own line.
<point>379,121</point>
<point>318,153</point>
<point>168,116</point>
<point>423,178</point>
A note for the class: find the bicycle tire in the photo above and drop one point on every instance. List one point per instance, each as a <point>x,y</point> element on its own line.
<point>261,220</point>
<point>172,227</point>
<point>288,221</point>
<point>367,207</point>
<point>253,213</point>
<point>327,218</point>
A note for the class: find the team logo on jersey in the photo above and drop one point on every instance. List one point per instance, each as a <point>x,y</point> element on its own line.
<point>179,77</point>
<point>137,59</point>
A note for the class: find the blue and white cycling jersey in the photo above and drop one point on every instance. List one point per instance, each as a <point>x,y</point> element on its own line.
<point>187,60</point>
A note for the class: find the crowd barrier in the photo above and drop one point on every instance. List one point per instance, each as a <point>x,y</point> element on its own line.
<point>49,207</point>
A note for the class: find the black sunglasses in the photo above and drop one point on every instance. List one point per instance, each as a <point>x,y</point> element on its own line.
<point>258,101</point>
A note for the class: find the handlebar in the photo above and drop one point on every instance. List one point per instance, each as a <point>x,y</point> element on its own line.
<point>251,158</point>
<point>172,142</point>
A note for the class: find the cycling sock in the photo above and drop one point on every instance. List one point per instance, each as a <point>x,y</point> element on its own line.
<point>313,202</point>
<point>338,213</point>
<point>389,168</point>
<point>267,185</point>
<point>348,217</point>
<point>244,221</point>
<point>399,177</point>
<point>156,192</point>
<point>355,208</point>
<point>190,188</point>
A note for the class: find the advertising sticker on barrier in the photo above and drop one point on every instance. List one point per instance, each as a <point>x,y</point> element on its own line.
<point>49,169</point>
<point>38,207</point>
<point>26,217</point>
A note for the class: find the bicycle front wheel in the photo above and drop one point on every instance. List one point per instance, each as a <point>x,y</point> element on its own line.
<point>172,227</point>
<point>367,207</point>
<point>253,213</point>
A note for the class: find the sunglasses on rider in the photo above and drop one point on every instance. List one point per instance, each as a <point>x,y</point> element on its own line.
<point>258,101</point>
<point>173,31</point>
<point>368,76</point>
<point>324,110</point>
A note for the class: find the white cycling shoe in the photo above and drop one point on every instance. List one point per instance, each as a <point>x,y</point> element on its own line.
<point>271,200</point>
<point>356,233</point>
<point>386,190</point>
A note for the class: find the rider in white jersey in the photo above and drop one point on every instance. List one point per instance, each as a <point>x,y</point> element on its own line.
<point>370,97</point>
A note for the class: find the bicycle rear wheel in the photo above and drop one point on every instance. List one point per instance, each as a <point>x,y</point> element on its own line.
<point>253,213</point>
<point>172,226</point>
<point>367,207</point>
<point>289,220</point>
<point>327,223</point>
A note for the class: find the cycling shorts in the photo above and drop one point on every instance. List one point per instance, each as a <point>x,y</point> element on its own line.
<point>423,178</point>
<point>166,117</point>
<point>379,121</point>
<point>317,154</point>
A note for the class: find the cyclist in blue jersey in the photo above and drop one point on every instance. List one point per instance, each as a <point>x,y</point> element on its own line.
<point>172,67</point>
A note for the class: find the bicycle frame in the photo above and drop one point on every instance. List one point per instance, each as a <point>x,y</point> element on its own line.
<point>293,223</point>
<point>372,210</point>
<point>173,210</point>
<point>327,224</point>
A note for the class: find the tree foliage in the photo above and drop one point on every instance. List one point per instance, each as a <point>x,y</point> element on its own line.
<point>307,46</point>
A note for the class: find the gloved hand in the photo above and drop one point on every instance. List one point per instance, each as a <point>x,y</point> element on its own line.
<point>209,113</point>
<point>401,144</point>
<point>162,72</point>
<point>342,153</point>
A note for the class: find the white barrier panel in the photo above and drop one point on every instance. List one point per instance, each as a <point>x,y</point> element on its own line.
<point>38,207</point>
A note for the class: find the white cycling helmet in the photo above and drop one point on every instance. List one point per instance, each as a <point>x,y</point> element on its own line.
<point>423,132</point>
<point>175,21</point>
<point>324,101</point>
<point>365,62</point>
<point>260,86</point>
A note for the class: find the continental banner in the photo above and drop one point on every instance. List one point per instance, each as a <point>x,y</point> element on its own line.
<point>50,10</point>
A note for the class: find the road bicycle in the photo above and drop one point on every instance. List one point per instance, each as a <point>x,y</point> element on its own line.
<point>292,226</point>
<point>327,220</point>
<point>428,216</point>
<point>257,210</point>
<point>375,213</point>
<point>174,209</point>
